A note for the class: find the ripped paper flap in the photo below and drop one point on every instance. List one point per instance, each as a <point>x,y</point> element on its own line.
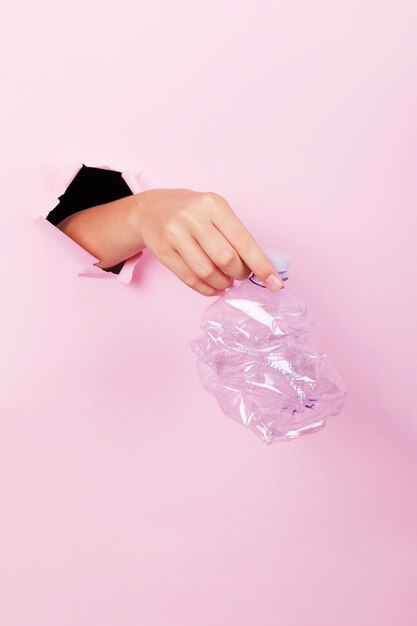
<point>85,261</point>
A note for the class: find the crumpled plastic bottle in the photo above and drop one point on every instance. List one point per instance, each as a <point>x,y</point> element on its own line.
<point>252,358</point>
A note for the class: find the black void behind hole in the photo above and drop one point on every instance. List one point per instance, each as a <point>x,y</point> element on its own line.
<point>91,186</point>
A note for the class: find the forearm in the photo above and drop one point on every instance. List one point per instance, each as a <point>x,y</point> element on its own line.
<point>195,234</point>
<point>108,231</point>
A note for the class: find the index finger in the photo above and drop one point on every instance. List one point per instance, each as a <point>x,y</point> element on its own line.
<point>225,220</point>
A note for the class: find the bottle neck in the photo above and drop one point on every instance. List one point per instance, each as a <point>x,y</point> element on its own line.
<point>256,281</point>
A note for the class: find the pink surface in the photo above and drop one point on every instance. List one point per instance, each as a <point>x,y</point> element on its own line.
<point>126,497</point>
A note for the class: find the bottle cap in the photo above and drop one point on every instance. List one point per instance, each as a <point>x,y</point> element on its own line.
<point>279,260</point>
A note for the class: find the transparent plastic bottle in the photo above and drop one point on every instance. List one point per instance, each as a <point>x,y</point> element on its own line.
<point>252,357</point>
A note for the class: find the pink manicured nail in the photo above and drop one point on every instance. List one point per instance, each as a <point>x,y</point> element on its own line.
<point>273,282</point>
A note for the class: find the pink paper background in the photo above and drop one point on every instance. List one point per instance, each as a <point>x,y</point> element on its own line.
<point>126,497</point>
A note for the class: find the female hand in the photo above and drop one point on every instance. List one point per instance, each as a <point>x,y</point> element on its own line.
<point>199,238</point>
<point>194,234</point>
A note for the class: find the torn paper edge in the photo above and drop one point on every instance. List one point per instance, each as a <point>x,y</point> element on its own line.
<point>65,174</point>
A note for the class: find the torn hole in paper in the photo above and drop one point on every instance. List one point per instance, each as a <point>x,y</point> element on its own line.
<point>93,186</point>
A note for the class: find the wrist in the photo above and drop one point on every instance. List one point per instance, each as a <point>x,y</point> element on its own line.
<point>136,217</point>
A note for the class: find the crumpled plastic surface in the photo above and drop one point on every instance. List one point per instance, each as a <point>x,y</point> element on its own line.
<point>252,357</point>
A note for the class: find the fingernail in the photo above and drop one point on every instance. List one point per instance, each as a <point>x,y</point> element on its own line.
<point>273,282</point>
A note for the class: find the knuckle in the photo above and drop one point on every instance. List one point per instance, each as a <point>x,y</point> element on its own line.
<point>183,214</point>
<point>172,227</point>
<point>192,281</point>
<point>189,215</point>
<point>210,199</point>
<point>243,273</point>
<point>205,290</point>
<point>210,196</point>
<point>205,272</point>
<point>163,253</point>
<point>225,258</point>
